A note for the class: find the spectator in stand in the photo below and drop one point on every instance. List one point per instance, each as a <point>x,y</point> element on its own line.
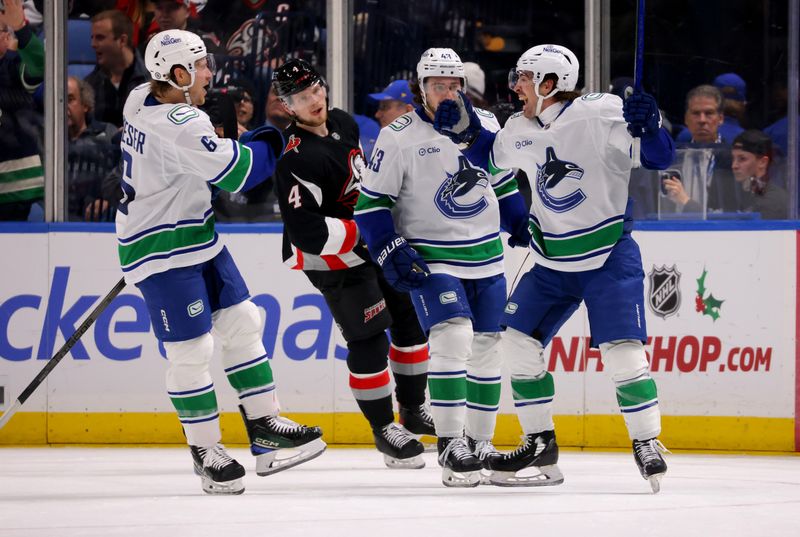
<point>91,155</point>
<point>21,71</point>
<point>243,102</point>
<point>705,160</point>
<point>276,113</point>
<point>119,66</point>
<point>476,84</point>
<point>179,15</point>
<point>734,103</point>
<point>394,101</point>
<point>752,155</point>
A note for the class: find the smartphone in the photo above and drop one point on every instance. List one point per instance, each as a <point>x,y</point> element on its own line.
<point>668,174</point>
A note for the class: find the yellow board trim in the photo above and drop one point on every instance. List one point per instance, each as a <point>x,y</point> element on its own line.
<point>594,431</point>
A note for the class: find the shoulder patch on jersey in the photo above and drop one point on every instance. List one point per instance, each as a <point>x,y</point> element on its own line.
<point>292,144</point>
<point>400,123</point>
<point>484,113</point>
<point>516,114</point>
<point>182,113</point>
<point>592,96</point>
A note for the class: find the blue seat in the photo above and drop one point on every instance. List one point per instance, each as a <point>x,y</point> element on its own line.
<point>79,42</point>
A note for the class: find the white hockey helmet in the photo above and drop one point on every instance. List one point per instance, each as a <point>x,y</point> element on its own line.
<point>543,60</point>
<point>170,48</point>
<point>439,62</point>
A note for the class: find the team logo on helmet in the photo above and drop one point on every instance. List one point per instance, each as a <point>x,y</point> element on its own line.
<point>665,292</point>
<point>550,174</point>
<point>457,197</point>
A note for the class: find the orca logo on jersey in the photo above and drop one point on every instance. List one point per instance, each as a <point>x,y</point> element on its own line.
<point>550,174</point>
<point>457,197</point>
<point>292,144</point>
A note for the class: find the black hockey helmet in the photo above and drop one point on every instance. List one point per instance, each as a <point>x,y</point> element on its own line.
<point>293,77</point>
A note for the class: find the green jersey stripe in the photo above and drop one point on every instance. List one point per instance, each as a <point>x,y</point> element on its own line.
<point>474,252</point>
<point>167,241</point>
<point>22,195</point>
<point>505,189</point>
<point>366,203</point>
<point>583,244</point>
<point>23,173</point>
<point>237,175</point>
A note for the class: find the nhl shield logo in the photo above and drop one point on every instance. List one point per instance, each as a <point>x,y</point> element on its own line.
<point>665,291</point>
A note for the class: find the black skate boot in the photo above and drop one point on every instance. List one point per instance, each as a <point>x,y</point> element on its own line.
<point>460,467</point>
<point>400,449</point>
<point>484,450</point>
<point>417,420</point>
<point>651,464</point>
<point>219,473</point>
<point>275,435</point>
<point>539,452</point>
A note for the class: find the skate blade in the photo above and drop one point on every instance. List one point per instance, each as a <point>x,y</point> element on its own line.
<point>411,463</point>
<point>547,476</point>
<point>486,477</point>
<point>222,488</point>
<point>269,463</point>
<point>460,479</point>
<point>655,482</point>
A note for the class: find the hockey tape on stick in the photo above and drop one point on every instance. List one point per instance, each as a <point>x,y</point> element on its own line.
<point>638,63</point>
<point>53,362</point>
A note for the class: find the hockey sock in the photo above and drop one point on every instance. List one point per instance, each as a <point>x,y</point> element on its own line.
<point>533,401</point>
<point>638,402</point>
<point>373,393</point>
<point>483,386</point>
<point>253,381</point>
<point>410,369</point>
<point>450,348</point>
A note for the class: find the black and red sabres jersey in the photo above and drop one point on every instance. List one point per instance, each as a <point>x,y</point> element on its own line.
<point>317,184</point>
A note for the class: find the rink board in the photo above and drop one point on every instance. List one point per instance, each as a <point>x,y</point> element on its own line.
<point>722,346</point>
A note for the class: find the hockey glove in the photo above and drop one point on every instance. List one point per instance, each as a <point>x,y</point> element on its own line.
<point>457,120</point>
<point>640,110</point>
<point>402,266</point>
<point>521,236</point>
<point>268,134</point>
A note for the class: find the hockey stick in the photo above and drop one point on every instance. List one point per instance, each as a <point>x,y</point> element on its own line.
<point>53,362</point>
<point>638,63</point>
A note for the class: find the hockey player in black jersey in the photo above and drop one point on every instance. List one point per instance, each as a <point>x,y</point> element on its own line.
<point>317,185</point>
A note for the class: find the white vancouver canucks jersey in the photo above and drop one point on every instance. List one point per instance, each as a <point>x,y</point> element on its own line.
<point>578,163</point>
<point>445,207</point>
<point>171,155</point>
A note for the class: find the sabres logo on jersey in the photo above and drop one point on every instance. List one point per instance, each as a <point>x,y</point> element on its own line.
<point>550,174</point>
<point>292,144</point>
<point>350,190</point>
<point>458,196</point>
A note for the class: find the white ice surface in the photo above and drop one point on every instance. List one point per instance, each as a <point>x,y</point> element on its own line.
<point>152,492</point>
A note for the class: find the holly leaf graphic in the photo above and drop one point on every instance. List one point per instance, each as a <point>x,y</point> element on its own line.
<point>712,306</point>
<point>701,283</point>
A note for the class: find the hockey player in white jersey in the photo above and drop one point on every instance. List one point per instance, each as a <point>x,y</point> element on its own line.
<point>577,153</point>
<point>432,220</point>
<point>169,249</point>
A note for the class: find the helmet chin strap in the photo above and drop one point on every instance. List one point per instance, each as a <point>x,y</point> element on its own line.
<point>540,98</point>
<point>184,89</point>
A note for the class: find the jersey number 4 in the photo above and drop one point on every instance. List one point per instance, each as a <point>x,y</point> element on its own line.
<point>294,197</point>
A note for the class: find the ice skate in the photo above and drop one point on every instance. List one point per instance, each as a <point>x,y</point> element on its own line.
<point>484,450</point>
<point>219,473</point>
<point>279,443</point>
<point>651,464</point>
<point>460,466</point>
<point>532,464</point>
<point>417,420</point>
<point>399,447</point>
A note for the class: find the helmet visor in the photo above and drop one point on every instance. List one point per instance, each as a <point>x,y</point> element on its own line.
<point>308,99</point>
<point>514,76</point>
